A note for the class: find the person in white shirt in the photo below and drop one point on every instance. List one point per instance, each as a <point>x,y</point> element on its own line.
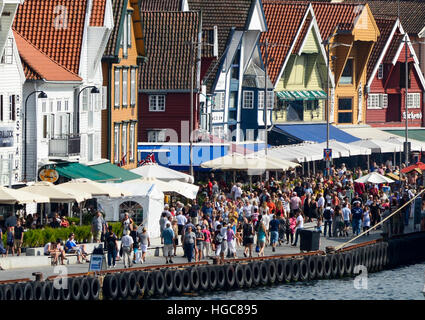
<point>299,226</point>
<point>127,248</point>
<point>321,203</point>
<point>346,214</point>
<point>266,221</point>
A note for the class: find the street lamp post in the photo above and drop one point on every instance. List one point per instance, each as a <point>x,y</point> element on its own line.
<point>94,89</point>
<point>42,95</point>
<point>406,84</point>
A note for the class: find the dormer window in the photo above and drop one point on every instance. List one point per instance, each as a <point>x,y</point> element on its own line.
<point>347,74</point>
<point>380,71</point>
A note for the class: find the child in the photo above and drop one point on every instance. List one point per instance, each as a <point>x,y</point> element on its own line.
<point>10,240</point>
<point>319,226</point>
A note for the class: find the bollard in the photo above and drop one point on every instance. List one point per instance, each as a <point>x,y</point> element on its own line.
<point>38,276</point>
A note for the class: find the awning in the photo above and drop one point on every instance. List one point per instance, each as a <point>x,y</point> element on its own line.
<point>315,133</point>
<point>74,170</point>
<point>116,172</point>
<point>417,134</point>
<point>302,95</point>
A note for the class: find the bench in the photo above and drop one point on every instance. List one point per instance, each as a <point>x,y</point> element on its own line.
<point>67,255</point>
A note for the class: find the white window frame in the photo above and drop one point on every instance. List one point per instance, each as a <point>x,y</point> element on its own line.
<point>12,107</point>
<point>381,71</point>
<point>218,131</point>
<point>117,88</point>
<point>66,105</point>
<point>59,105</point>
<point>124,136</point>
<point>373,101</point>
<point>116,143</point>
<point>132,137</point>
<point>413,100</point>
<point>154,103</point>
<point>44,106</point>
<point>133,90</point>
<point>124,38</point>
<point>383,100</point>
<point>218,101</point>
<point>125,88</point>
<point>260,99</point>
<point>156,135</point>
<point>85,100</point>
<point>104,97</point>
<point>270,99</point>
<point>248,99</point>
<point>129,29</point>
<point>7,57</point>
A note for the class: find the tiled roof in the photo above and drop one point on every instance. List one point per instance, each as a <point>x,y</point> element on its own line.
<point>394,46</point>
<point>168,55</point>
<point>37,65</point>
<point>385,27</point>
<point>39,21</point>
<point>98,13</point>
<point>283,21</point>
<point>412,12</point>
<point>117,7</point>
<point>302,35</point>
<point>225,15</point>
<point>160,5</point>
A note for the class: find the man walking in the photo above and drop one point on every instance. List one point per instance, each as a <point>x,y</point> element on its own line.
<point>274,232</point>
<point>98,227</point>
<point>18,237</point>
<point>127,248</point>
<point>168,236</point>
<point>327,215</point>
<point>357,215</point>
<point>299,226</point>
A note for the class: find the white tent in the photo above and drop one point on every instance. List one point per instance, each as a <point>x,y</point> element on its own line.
<point>12,196</point>
<point>95,188</point>
<point>148,196</point>
<point>354,150</point>
<point>377,146</point>
<point>374,177</point>
<point>49,190</point>
<point>185,189</point>
<point>153,170</point>
<point>415,145</point>
<point>298,152</point>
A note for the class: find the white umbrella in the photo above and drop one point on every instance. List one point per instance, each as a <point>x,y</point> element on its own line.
<point>415,145</point>
<point>153,170</point>
<point>49,190</point>
<point>12,196</point>
<point>79,195</point>
<point>96,188</point>
<point>185,189</point>
<point>377,146</point>
<point>374,177</point>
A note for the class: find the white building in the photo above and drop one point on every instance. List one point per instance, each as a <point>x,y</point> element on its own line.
<point>11,81</point>
<point>59,127</point>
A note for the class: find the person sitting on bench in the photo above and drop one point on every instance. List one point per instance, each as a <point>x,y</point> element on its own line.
<point>71,247</point>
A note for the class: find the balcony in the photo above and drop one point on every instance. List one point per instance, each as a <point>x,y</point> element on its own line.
<point>64,146</point>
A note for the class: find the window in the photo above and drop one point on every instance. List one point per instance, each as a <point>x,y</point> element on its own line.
<point>124,87</point>
<point>129,29</point>
<point>117,88</point>
<point>218,103</point>
<point>344,105</point>
<point>7,57</point>
<point>373,101</point>
<point>413,100</point>
<point>347,74</point>
<point>156,136</point>
<point>45,124</point>
<point>248,99</point>
<point>260,99</point>
<point>312,105</point>
<point>116,143</point>
<point>132,137</point>
<point>104,97</point>
<point>85,100</point>
<point>124,142</point>
<point>1,108</point>
<point>233,100</point>
<point>51,102</point>
<point>12,107</point>
<point>235,65</point>
<point>66,105</point>
<point>90,111</point>
<point>52,126</point>
<point>156,103</point>
<point>59,105</point>
<point>133,89</point>
<point>381,71</point>
<point>270,99</point>
<point>124,38</point>
<point>383,100</point>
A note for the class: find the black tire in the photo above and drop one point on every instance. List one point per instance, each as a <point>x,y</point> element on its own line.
<point>341,265</point>
<point>320,267</point>
<point>159,283</point>
<point>169,281</point>
<point>178,282</point>
<point>355,256</point>
<point>327,267</point>
<point>239,276</point>
<point>8,292</point>
<point>334,266</point>
<point>248,275</point>
<point>272,270</point>
<point>66,292</point>
<point>295,269</point>
<point>287,267</point>
<point>194,279</point>
<point>280,271</point>
<point>18,291</point>
<point>256,274</point>
<point>94,288</point>
<point>75,288</point>
<point>230,276</point>
<point>385,260</point>
<point>221,277</point>
<point>304,270</point>
<point>85,289</point>
<point>28,291</point>
<point>150,284</point>
<point>212,276</point>
<point>312,266</point>
<point>264,273</point>
<point>56,293</point>
<point>133,289</point>
<point>110,286</point>
<point>37,288</point>
<point>348,259</point>
<point>1,292</point>
<point>204,278</point>
<point>186,280</point>
<point>123,285</point>
<point>141,282</point>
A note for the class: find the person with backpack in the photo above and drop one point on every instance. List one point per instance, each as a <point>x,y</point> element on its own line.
<point>112,245</point>
<point>247,237</point>
<point>328,214</point>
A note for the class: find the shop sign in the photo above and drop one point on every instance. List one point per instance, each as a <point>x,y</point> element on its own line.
<point>50,175</point>
<point>6,137</point>
<point>412,116</point>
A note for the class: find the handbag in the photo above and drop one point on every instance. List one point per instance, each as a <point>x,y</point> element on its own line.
<point>121,252</point>
<point>257,249</point>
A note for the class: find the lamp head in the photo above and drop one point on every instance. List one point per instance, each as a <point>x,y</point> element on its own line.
<point>94,90</point>
<point>42,95</point>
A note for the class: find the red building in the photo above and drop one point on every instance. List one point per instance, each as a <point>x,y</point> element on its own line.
<point>386,79</point>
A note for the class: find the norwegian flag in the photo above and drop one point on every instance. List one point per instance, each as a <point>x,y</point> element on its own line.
<point>149,159</point>
<point>122,162</point>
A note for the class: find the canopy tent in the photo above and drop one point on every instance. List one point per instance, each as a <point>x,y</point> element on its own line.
<point>354,150</point>
<point>12,196</point>
<point>338,151</point>
<point>162,173</point>
<point>148,196</point>
<point>414,144</point>
<point>78,194</point>
<point>49,190</point>
<point>299,152</point>
<point>419,165</point>
<point>95,188</point>
<point>75,170</point>
<point>374,177</point>
<point>185,189</point>
<point>377,146</point>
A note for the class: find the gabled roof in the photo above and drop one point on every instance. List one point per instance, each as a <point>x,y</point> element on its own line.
<point>56,32</point>
<point>117,6</point>
<point>167,50</point>
<point>38,65</point>
<point>160,5</point>
<point>226,15</point>
<point>394,47</point>
<point>98,13</point>
<point>284,20</point>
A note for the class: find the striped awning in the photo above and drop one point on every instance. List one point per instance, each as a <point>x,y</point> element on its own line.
<point>302,95</point>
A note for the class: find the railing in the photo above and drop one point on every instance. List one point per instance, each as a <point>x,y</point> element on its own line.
<point>64,146</point>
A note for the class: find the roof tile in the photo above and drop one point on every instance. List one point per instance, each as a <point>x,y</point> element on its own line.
<point>117,7</point>
<point>98,13</point>
<point>160,5</point>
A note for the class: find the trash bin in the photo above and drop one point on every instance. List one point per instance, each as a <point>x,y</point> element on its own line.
<point>309,240</point>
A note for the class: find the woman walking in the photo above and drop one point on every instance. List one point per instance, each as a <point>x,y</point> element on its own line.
<point>366,220</point>
<point>262,236</point>
<point>145,242</point>
<point>200,239</point>
<point>112,243</point>
<point>247,237</point>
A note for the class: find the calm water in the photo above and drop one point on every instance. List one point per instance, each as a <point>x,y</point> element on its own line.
<point>404,283</point>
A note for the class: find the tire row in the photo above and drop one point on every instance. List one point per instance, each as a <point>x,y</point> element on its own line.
<point>81,288</point>
<point>406,250</point>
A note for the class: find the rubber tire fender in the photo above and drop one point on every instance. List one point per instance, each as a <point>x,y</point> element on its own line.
<point>320,267</point>
<point>348,261</point>
<point>334,266</point>
<point>280,271</point>
<point>264,273</point>
<point>94,288</point>
<point>248,275</point>
<point>141,282</point>
<point>204,278</point>
<point>66,293</point>
<point>194,279</point>
<point>178,282</point>
<point>312,267</point>
<point>304,270</point>
<point>150,284</point>
<point>239,276</point>
<point>18,292</point>
<point>84,288</point>
<point>287,266</point>
<point>8,292</point>
<point>159,283</point>
<point>28,291</point>
<point>75,288</point>
<point>48,290</point>
<point>1,292</point>
<point>272,270</point>
<point>221,277</point>
<point>133,289</point>
<point>169,281</point>
<point>123,285</point>
<point>56,293</point>
<point>327,267</point>
<point>186,280</point>
<point>295,269</point>
<point>256,274</point>
<point>37,288</point>
<point>341,265</point>
<point>212,277</point>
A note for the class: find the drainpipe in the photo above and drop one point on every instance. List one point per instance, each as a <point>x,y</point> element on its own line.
<point>109,111</point>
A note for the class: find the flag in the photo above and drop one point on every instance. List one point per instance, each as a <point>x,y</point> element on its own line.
<point>149,159</point>
<point>122,162</point>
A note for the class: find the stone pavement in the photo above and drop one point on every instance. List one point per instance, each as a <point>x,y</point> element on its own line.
<point>152,260</point>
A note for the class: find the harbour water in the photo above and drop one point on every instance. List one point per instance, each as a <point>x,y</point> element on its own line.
<point>404,283</point>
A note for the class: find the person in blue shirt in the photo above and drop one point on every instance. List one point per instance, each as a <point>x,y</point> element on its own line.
<point>357,215</point>
<point>72,247</point>
<point>168,236</point>
<point>274,232</point>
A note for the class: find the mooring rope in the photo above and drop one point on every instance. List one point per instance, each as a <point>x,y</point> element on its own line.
<point>376,225</point>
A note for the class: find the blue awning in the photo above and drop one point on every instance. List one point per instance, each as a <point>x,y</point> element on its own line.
<point>315,132</point>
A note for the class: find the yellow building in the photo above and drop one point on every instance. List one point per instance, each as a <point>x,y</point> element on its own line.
<point>120,63</point>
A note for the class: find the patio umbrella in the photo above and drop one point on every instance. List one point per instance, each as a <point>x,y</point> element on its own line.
<point>185,189</point>
<point>79,195</point>
<point>49,190</point>
<point>377,146</point>
<point>95,188</point>
<point>374,177</point>
<point>419,165</point>
<point>153,170</point>
<point>12,196</point>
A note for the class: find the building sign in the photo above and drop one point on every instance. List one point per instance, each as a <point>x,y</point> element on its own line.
<point>50,175</point>
<point>217,117</point>
<point>327,154</point>
<point>412,116</point>
<point>6,137</point>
